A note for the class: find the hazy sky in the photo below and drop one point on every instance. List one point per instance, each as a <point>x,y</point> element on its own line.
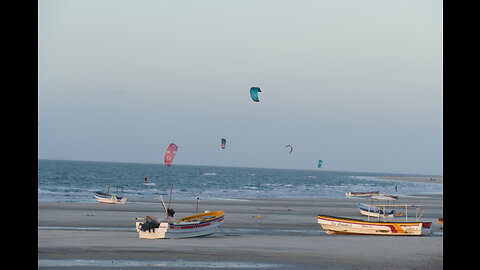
<point>357,84</point>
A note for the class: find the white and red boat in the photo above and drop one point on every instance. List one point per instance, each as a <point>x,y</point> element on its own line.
<point>191,226</point>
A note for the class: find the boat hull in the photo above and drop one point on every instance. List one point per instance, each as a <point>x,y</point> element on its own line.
<point>339,225</point>
<point>110,199</point>
<point>183,228</point>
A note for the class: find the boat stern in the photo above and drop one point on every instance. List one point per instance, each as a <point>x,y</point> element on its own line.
<point>153,233</point>
<point>426,228</point>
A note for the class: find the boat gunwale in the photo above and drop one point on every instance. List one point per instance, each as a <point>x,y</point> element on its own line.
<point>359,221</point>
<point>188,223</point>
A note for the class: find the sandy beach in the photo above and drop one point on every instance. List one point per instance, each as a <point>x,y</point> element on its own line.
<point>258,233</point>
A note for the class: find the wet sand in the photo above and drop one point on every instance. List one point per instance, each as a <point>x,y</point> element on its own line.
<point>258,233</point>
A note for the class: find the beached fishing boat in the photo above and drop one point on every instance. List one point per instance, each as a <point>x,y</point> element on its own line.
<point>361,194</point>
<point>341,225</point>
<point>191,226</point>
<point>106,197</point>
<point>376,211</point>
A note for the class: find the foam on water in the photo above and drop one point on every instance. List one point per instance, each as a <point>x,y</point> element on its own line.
<point>76,181</point>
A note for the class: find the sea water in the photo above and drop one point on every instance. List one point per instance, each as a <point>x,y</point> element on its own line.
<point>77,181</point>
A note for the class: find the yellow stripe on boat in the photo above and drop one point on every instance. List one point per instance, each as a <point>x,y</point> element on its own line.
<point>202,217</point>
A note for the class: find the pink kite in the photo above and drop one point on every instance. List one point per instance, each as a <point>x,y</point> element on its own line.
<point>170,154</point>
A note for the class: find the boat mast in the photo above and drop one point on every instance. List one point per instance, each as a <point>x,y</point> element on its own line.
<point>196,210</point>
<point>163,204</point>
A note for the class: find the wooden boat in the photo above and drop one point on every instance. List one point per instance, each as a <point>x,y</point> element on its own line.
<point>340,225</point>
<point>106,197</point>
<point>376,211</point>
<point>361,194</point>
<point>191,226</point>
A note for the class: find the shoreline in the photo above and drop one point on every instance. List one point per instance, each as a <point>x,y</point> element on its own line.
<point>257,233</point>
<point>424,179</point>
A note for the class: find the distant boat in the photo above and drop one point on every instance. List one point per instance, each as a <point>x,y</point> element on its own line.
<point>106,197</point>
<point>361,194</point>
<point>376,211</point>
<point>384,197</point>
<point>340,225</point>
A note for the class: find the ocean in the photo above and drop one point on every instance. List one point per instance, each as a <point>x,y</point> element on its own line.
<point>77,181</point>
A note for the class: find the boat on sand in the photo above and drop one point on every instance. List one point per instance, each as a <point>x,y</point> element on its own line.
<point>361,194</point>
<point>376,211</point>
<point>107,197</point>
<point>191,226</point>
<point>341,225</point>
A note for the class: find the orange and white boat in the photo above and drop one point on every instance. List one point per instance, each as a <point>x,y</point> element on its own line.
<point>340,225</point>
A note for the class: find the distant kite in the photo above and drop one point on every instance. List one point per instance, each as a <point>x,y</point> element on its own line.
<point>170,154</point>
<point>254,93</point>
<point>291,148</point>
<point>319,163</point>
<point>223,143</point>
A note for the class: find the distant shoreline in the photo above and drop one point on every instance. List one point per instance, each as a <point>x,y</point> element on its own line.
<point>429,179</point>
<point>266,168</point>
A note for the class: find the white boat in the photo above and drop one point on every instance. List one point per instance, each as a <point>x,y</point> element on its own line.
<point>106,197</point>
<point>361,194</point>
<point>191,226</point>
<point>376,211</point>
<point>340,225</point>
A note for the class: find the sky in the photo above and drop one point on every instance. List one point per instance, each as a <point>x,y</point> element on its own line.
<point>357,84</point>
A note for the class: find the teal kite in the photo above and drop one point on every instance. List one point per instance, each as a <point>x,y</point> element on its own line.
<point>254,93</point>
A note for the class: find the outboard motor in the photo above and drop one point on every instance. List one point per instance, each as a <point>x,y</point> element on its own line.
<point>170,212</point>
<point>150,223</point>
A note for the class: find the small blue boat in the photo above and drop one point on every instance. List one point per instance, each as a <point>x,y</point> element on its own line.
<point>375,211</point>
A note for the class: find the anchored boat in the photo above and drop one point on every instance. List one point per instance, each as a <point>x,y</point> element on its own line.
<point>376,211</point>
<point>106,197</point>
<point>190,226</point>
<point>340,225</point>
<point>361,194</point>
